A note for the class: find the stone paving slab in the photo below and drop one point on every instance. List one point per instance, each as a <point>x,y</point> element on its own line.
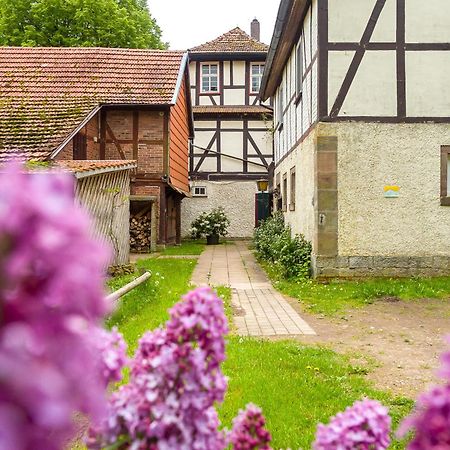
<point>259,309</point>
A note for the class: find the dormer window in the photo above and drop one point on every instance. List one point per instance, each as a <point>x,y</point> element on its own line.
<point>210,78</point>
<point>256,77</point>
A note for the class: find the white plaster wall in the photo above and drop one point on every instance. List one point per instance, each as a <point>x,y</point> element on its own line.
<point>236,197</point>
<point>427,21</point>
<point>301,220</point>
<point>427,93</point>
<point>234,96</point>
<point>299,117</point>
<point>371,156</point>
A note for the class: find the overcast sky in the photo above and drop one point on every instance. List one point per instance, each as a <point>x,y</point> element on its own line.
<point>186,24</point>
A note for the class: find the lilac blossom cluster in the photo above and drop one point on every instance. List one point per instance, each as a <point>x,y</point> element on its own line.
<point>51,303</point>
<point>365,425</point>
<point>175,381</point>
<point>431,418</point>
<point>249,432</point>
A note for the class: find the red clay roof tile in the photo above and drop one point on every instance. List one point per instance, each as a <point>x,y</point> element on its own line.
<point>46,92</point>
<point>234,40</point>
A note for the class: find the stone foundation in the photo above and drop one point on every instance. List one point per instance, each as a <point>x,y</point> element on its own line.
<point>380,266</point>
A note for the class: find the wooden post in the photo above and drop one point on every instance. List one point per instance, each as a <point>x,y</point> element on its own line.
<point>128,287</point>
<point>154,228</point>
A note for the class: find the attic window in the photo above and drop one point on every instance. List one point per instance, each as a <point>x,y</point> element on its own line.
<point>256,77</point>
<point>210,78</point>
<point>199,191</point>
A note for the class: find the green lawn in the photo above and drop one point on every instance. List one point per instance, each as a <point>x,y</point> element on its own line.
<point>186,248</point>
<point>296,385</point>
<point>337,296</point>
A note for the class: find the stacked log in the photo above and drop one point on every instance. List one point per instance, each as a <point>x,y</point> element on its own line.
<point>140,231</point>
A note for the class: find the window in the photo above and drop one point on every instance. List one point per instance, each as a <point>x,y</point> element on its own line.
<point>445,175</point>
<point>299,68</point>
<point>279,196</point>
<point>293,187</point>
<point>280,107</point>
<point>210,78</point>
<point>256,77</point>
<point>199,191</point>
<point>284,194</point>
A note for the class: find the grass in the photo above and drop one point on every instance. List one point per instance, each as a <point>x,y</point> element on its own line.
<point>186,248</point>
<point>337,296</point>
<point>297,386</point>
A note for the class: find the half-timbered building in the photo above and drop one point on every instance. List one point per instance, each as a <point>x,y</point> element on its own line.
<point>362,135</point>
<point>233,143</point>
<point>102,104</point>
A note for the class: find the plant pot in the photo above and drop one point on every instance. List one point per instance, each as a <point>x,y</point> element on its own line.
<point>212,239</point>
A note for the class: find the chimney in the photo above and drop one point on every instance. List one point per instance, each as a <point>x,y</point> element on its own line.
<point>255,29</point>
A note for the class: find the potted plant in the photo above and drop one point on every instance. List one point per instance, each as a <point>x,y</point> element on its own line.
<point>211,224</point>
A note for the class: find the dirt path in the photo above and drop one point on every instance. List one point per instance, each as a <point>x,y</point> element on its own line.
<point>399,341</point>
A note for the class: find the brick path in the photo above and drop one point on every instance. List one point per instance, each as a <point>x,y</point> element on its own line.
<point>259,310</point>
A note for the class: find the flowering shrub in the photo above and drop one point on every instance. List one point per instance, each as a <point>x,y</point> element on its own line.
<point>249,430</point>
<point>365,425</point>
<point>51,303</point>
<point>431,418</point>
<point>210,223</point>
<point>175,381</point>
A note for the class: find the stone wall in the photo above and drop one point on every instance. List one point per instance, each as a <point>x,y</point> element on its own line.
<point>236,197</point>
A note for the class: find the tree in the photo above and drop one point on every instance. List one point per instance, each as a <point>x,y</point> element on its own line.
<point>78,23</point>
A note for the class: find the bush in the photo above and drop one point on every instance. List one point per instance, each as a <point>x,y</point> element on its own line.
<point>274,243</point>
<point>210,223</point>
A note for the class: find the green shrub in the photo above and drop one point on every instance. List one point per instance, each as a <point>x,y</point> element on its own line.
<point>274,243</point>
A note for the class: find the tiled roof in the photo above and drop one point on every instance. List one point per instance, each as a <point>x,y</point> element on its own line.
<point>81,166</point>
<point>46,92</point>
<point>232,109</point>
<point>235,40</point>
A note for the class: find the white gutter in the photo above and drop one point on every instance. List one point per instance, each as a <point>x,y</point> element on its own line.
<point>180,78</point>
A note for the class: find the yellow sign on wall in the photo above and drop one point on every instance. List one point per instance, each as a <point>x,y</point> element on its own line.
<point>391,191</point>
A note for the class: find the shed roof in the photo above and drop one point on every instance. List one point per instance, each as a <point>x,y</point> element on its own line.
<point>45,93</point>
<point>83,168</point>
<point>234,40</point>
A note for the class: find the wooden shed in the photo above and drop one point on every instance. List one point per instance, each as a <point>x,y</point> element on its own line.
<point>103,188</point>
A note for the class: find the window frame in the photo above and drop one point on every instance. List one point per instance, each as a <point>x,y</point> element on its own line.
<point>293,186</point>
<point>202,75</point>
<point>284,187</point>
<point>280,108</point>
<point>194,194</point>
<point>299,69</point>
<point>445,188</point>
<point>260,75</point>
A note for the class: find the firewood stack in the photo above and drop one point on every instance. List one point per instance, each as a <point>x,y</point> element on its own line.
<point>140,234</point>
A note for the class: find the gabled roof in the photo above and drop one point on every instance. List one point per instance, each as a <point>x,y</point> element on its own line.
<point>234,40</point>
<point>45,93</point>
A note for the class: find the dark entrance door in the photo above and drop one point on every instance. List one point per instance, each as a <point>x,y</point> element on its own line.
<point>262,207</point>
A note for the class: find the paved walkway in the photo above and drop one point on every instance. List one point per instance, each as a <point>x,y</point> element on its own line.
<point>259,310</point>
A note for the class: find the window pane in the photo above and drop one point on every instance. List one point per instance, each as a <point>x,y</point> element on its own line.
<point>213,69</point>
<point>205,69</point>
<point>205,85</point>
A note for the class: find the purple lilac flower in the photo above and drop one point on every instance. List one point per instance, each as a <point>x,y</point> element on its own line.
<point>113,352</point>
<point>431,418</point>
<point>249,432</point>
<point>430,421</point>
<point>365,425</point>
<point>51,302</point>
<point>175,381</point>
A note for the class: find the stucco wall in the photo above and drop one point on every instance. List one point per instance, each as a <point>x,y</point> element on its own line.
<point>236,197</point>
<point>302,220</point>
<point>371,156</point>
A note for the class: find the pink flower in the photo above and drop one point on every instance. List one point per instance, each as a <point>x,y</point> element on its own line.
<point>51,301</point>
<point>175,381</point>
<point>249,431</point>
<point>365,425</point>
